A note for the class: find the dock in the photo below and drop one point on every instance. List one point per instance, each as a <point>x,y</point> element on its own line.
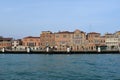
<point>59,52</point>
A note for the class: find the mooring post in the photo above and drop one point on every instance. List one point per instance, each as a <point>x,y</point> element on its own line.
<point>99,49</point>
<point>28,49</point>
<point>3,50</point>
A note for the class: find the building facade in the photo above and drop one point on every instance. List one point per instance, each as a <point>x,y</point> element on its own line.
<point>47,39</point>
<point>95,40</point>
<point>118,35</point>
<point>31,42</point>
<point>111,41</point>
<point>16,44</point>
<point>78,41</point>
<point>5,43</point>
<point>63,40</point>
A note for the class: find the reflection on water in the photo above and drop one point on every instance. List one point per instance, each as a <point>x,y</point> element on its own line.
<point>59,67</point>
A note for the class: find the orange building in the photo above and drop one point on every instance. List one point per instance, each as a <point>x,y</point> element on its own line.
<point>32,42</point>
<point>76,40</point>
<point>62,40</point>
<point>5,43</point>
<point>95,40</point>
<point>47,39</point>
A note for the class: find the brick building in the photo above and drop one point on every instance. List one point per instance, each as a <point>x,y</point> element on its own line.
<point>31,42</point>
<point>47,39</point>
<point>95,40</point>
<point>62,40</point>
<point>5,43</point>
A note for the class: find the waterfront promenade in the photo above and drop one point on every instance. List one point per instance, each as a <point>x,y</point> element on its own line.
<point>58,52</point>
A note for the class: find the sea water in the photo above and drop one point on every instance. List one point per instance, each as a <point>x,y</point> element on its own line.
<point>59,67</point>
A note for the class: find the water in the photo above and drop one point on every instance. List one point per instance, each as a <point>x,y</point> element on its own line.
<point>60,67</point>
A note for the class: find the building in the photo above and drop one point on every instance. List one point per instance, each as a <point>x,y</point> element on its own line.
<point>62,40</point>
<point>5,43</point>
<point>16,44</point>
<point>78,41</point>
<point>112,41</point>
<point>118,35</point>
<point>95,40</point>
<point>102,43</point>
<point>47,39</point>
<point>31,42</point>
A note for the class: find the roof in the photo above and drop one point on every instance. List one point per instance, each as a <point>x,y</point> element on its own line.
<point>17,40</point>
<point>30,37</point>
<point>118,33</point>
<point>79,31</point>
<point>6,39</point>
<point>47,32</point>
<point>64,32</point>
<point>93,33</point>
<point>108,34</point>
<point>102,36</point>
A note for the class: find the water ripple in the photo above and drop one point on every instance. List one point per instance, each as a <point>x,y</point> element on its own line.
<point>60,67</point>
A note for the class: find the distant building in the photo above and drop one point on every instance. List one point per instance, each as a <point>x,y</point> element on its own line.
<point>31,42</point>
<point>78,40</point>
<point>47,39</point>
<point>5,43</point>
<point>95,40</point>
<point>62,40</point>
<point>16,44</point>
<point>118,35</point>
<point>112,41</point>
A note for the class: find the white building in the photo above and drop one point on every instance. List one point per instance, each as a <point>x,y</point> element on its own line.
<point>112,41</point>
<point>118,35</point>
<point>16,44</point>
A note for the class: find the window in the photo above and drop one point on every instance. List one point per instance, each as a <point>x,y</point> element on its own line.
<point>77,35</point>
<point>57,36</point>
<point>64,36</point>
<point>62,42</point>
<point>31,44</point>
<point>77,41</point>
<point>41,43</point>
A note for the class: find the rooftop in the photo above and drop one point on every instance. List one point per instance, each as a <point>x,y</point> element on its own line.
<point>64,32</point>
<point>30,37</point>
<point>93,33</point>
<point>5,39</point>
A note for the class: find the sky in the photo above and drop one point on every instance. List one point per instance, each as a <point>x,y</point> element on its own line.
<point>21,18</point>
